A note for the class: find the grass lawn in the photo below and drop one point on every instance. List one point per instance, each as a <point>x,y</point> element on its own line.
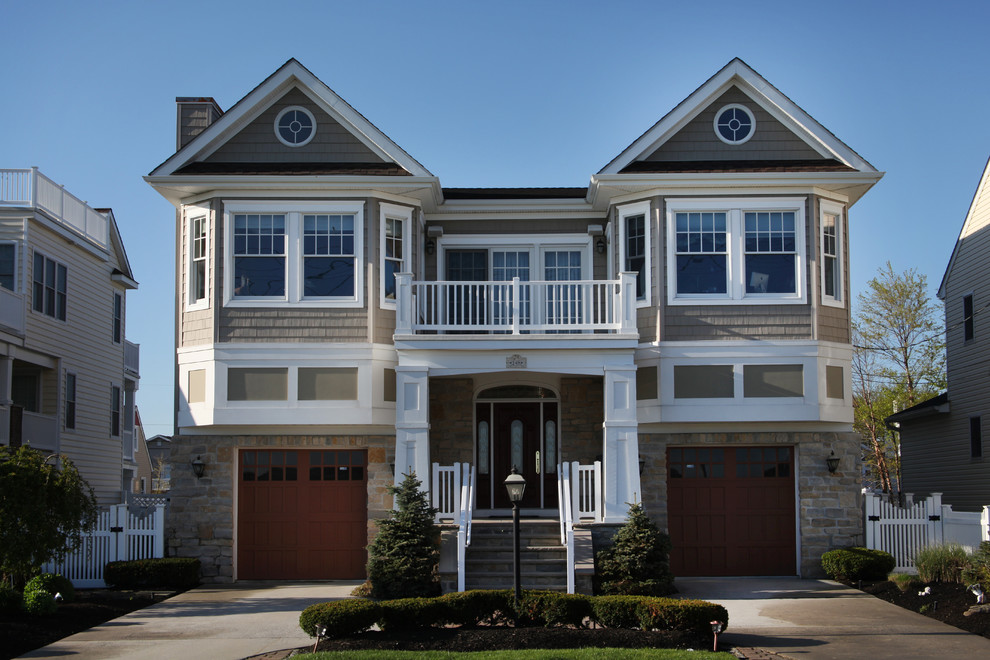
<point>534,654</point>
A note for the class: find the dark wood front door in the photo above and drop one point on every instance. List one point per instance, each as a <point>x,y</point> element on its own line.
<point>519,436</point>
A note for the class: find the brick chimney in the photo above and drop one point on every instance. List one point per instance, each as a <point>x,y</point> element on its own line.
<point>193,115</point>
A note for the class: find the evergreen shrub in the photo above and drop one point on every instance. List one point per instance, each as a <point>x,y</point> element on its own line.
<point>171,573</point>
<point>53,583</point>
<point>857,564</point>
<point>638,561</point>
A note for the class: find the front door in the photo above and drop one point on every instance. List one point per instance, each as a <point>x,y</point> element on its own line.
<point>524,435</point>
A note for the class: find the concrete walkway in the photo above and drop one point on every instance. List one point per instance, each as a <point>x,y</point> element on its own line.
<point>822,619</point>
<point>219,622</point>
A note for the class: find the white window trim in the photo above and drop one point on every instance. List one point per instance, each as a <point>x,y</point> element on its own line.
<point>17,264</point>
<point>293,212</point>
<point>191,213</point>
<point>735,259</point>
<point>297,108</point>
<point>537,244</point>
<point>627,211</point>
<point>113,322</point>
<point>404,215</point>
<point>827,207</point>
<point>120,410</point>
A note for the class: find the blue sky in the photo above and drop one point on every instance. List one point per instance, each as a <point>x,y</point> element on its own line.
<point>494,94</point>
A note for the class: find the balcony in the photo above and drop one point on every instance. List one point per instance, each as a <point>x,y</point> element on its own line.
<point>132,359</point>
<point>31,189</point>
<point>11,311</point>
<point>39,431</point>
<point>580,307</point>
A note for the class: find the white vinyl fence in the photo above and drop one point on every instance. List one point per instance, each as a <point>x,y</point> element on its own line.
<point>904,530</point>
<point>119,535</point>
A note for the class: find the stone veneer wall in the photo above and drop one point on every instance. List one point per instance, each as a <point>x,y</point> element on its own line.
<point>451,420</point>
<point>582,413</point>
<point>201,520</point>
<point>830,505</point>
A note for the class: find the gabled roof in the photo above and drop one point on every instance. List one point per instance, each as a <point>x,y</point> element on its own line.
<point>290,75</point>
<point>123,273</point>
<point>738,74</point>
<point>983,188</point>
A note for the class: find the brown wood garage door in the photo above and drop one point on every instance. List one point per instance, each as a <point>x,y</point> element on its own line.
<point>302,515</point>
<point>731,510</point>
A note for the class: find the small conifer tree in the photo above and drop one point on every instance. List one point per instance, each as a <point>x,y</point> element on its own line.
<point>638,562</point>
<point>402,560</point>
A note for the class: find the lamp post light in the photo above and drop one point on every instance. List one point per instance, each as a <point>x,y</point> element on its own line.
<point>516,485</point>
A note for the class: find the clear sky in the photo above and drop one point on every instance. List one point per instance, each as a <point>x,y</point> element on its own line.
<point>492,94</point>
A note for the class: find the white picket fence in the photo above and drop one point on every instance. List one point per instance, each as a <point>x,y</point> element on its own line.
<point>119,535</point>
<point>904,530</point>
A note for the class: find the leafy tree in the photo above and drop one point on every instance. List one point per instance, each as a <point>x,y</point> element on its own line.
<point>638,561</point>
<point>898,362</point>
<point>402,560</point>
<point>44,509</point>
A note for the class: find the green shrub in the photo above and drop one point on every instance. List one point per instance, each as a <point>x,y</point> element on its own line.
<point>977,570</point>
<point>10,599</point>
<point>552,608</point>
<point>674,614</point>
<point>173,573</point>
<point>53,584</point>
<point>638,562</point>
<point>857,564</point>
<point>615,611</point>
<point>408,613</point>
<point>341,618</point>
<point>39,603</point>
<point>905,581</point>
<point>941,563</point>
<point>402,560</point>
<point>470,608</point>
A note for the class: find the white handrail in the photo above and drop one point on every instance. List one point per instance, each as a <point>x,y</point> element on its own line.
<point>446,491</point>
<point>587,491</point>
<point>464,522</point>
<point>566,520</point>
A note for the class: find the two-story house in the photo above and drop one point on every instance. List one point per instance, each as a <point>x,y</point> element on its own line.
<point>679,328</point>
<point>942,446</point>
<point>68,375</point>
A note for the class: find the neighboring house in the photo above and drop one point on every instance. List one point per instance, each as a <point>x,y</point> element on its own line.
<point>142,482</point>
<point>343,319</point>
<point>159,447</point>
<point>942,446</point>
<point>67,374</point>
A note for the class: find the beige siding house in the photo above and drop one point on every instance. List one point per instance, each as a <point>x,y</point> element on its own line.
<point>67,373</point>
<point>675,333</point>
<point>942,440</point>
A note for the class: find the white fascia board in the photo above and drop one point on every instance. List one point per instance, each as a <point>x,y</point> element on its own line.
<point>762,92</point>
<point>599,344</point>
<point>448,363</point>
<point>753,349</point>
<point>517,208</point>
<point>257,101</point>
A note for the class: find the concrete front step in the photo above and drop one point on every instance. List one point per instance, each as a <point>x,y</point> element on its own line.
<point>489,559</point>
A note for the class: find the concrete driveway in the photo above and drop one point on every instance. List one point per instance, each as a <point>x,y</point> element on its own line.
<point>219,622</point>
<point>825,619</point>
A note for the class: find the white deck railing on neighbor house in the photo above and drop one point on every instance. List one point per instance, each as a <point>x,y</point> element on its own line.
<point>904,530</point>
<point>118,536</point>
<point>39,431</point>
<point>12,310</point>
<point>516,307</point>
<point>31,188</point>
<point>132,357</point>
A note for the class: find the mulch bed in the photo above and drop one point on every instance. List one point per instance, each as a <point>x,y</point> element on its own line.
<point>946,603</point>
<point>20,632</point>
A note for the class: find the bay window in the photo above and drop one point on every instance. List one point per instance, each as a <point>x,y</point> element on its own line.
<point>198,255</point>
<point>731,251</point>
<point>394,249</point>
<point>301,253</point>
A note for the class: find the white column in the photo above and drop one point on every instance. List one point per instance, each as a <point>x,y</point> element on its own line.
<point>412,424</point>
<point>403,304</point>
<point>621,453</point>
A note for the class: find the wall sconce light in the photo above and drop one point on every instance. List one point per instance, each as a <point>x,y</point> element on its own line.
<point>198,467</point>
<point>431,246</point>
<point>832,462</point>
<point>600,246</point>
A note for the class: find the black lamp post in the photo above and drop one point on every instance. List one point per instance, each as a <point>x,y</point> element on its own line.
<point>516,485</point>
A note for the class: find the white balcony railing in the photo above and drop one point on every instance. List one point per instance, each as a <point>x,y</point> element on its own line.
<point>132,358</point>
<point>31,188</point>
<point>12,310</point>
<point>39,431</point>
<point>516,307</point>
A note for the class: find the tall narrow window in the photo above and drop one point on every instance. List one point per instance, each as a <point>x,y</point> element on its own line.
<point>831,253</point>
<point>50,287</point>
<point>8,265</point>
<point>328,256</point>
<point>198,254</point>
<point>975,437</point>
<point>394,248</point>
<point>635,246</point>
<point>114,411</point>
<point>118,317</point>
<point>968,317</point>
<point>259,255</point>
<point>70,401</point>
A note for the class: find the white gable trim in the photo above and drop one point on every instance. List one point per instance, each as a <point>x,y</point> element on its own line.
<point>983,188</point>
<point>292,74</point>
<point>763,93</point>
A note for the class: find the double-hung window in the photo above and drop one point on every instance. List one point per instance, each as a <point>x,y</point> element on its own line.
<point>396,229</point>
<point>300,253</point>
<point>50,287</point>
<point>114,411</point>
<point>8,266</point>
<point>198,255</point>
<point>70,400</point>
<point>634,243</point>
<point>831,253</point>
<point>118,317</point>
<point>735,251</point>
